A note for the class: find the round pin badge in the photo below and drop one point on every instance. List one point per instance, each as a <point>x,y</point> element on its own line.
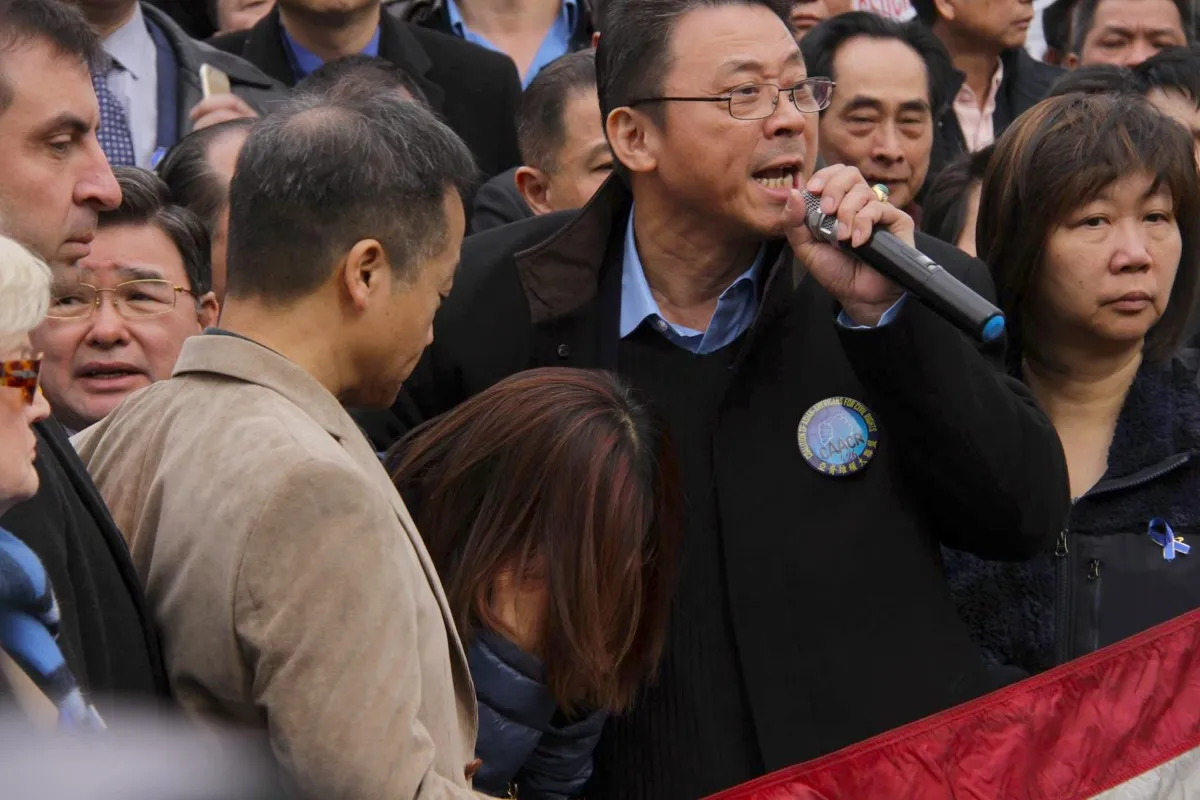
<point>838,436</point>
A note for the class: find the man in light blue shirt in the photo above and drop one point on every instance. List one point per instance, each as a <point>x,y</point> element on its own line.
<point>533,35</point>
<point>556,42</point>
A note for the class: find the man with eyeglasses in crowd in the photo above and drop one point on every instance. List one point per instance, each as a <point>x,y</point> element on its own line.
<point>831,431</point>
<point>119,316</point>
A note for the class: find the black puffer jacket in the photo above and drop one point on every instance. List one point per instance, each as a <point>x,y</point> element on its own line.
<point>1107,577</point>
<point>524,740</point>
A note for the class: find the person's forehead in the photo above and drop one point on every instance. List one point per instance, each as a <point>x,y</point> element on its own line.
<point>734,39</point>
<point>128,252</point>
<point>46,83</point>
<point>1137,14</point>
<point>879,67</point>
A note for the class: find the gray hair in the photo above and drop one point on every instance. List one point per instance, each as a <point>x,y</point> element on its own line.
<point>24,290</point>
<point>325,172</point>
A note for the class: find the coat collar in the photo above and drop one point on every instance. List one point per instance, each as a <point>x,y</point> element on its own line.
<point>562,275</point>
<point>264,47</point>
<point>1023,84</point>
<point>1160,418</point>
<point>189,54</point>
<point>239,358</point>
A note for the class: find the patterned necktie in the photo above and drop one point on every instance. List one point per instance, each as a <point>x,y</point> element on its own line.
<point>115,139</point>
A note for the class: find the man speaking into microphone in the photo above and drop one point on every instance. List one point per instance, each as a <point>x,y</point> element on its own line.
<point>832,430</point>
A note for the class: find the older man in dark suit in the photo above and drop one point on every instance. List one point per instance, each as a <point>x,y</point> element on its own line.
<point>474,89</point>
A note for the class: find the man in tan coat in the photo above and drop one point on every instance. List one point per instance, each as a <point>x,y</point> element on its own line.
<point>292,589</point>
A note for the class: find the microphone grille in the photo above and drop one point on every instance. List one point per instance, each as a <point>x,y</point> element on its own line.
<point>822,227</point>
<point>812,203</point>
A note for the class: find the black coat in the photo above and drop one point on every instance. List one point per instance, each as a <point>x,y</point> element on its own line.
<point>843,621</point>
<point>1105,578</point>
<point>247,82</point>
<point>107,634</point>
<point>498,203</point>
<point>474,90</point>
<point>1024,83</point>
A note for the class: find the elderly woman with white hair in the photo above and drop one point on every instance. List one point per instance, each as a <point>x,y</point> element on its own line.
<point>28,611</point>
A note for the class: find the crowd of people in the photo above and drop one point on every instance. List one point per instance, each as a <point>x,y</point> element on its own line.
<point>445,398</point>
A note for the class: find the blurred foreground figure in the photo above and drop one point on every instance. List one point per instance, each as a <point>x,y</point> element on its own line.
<point>141,756</point>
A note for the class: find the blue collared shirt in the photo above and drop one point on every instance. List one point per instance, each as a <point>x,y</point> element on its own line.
<point>557,42</point>
<point>735,310</point>
<point>736,307</point>
<point>305,62</point>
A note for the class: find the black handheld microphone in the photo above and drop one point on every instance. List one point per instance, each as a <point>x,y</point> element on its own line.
<point>913,270</point>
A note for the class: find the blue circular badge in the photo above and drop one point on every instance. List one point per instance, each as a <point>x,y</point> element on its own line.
<point>838,436</point>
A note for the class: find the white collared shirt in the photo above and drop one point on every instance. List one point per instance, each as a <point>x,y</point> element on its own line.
<point>136,86</point>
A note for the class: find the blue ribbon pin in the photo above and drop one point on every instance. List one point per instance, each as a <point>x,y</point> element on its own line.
<point>1165,538</point>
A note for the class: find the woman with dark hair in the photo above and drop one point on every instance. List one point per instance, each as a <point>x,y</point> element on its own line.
<point>550,507</point>
<point>1090,220</point>
<point>951,204</point>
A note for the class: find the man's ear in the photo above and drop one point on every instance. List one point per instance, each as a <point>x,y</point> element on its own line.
<point>534,187</point>
<point>595,40</point>
<point>629,136</point>
<point>1071,61</point>
<point>209,310</point>
<point>365,272</point>
<point>947,9</point>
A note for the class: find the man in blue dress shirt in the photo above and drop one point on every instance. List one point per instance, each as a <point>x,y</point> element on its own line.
<point>473,89</point>
<point>532,33</point>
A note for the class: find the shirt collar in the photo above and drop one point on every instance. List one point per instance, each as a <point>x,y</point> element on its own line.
<point>305,62</point>
<point>637,301</point>
<point>569,10</point>
<point>132,46</point>
<point>965,95</point>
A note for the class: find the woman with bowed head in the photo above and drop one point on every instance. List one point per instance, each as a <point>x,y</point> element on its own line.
<point>550,507</point>
<point>1089,218</point>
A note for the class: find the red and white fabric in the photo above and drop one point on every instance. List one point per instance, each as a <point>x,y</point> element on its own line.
<point>1119,724</point>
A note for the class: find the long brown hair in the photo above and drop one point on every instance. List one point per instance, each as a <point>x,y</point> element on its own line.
<point>1058,156</point>
<point>565,475</point>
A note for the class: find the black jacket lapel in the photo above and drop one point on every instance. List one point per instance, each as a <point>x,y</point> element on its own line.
<point>264,49</point>
<point>399,46</point>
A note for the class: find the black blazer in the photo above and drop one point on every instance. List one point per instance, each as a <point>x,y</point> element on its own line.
<point>107,634</point>
<point>843,621</point>
<point>475,90</point>
<point>498,203</point>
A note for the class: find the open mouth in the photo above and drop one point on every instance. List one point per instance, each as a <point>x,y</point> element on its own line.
<point>778,177</point>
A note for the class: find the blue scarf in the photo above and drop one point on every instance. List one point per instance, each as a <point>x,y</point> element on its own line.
<point>28,628</point>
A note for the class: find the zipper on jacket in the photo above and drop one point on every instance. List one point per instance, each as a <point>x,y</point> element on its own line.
<point>1062,611</point>
<point>1141,476</point>
<point>1062,575</point>
<point>1093,577</point>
